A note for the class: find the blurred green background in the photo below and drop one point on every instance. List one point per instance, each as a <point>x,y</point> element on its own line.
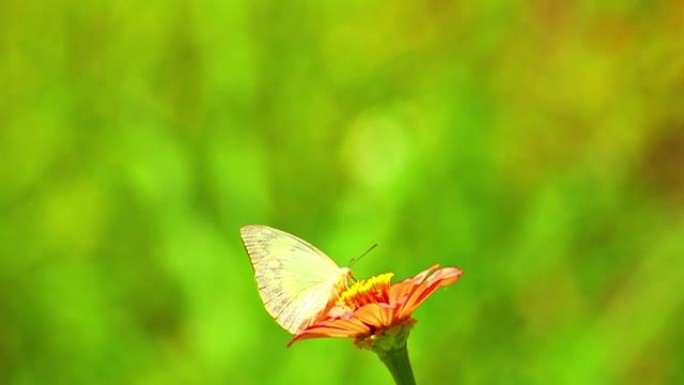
<point>538,145</point>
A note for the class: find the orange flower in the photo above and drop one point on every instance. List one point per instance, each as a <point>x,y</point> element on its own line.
<point>371,308</point>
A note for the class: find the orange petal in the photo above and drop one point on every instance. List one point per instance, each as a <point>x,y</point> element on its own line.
<point>338,328</point>
<point>422,275</point>
<point>446,275</point>
<point>440,278</point>
<point>373,315</point>
<point>410,304</point>
<point>401,289</point>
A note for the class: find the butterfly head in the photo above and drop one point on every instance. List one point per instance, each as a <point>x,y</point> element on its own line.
<point>346,276</point>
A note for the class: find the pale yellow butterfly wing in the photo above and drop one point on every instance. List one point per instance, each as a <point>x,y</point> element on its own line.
<point>295,279</point>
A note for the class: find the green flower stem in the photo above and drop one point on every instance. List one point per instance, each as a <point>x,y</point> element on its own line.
<point>390,345</point>
<point>397,361</point>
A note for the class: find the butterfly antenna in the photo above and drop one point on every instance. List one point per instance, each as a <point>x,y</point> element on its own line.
<point>353,261</point>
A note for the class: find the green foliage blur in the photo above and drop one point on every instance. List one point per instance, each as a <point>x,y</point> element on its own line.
<point>537,145</point>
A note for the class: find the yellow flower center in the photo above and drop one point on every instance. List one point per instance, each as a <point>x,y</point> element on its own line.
<point>366,291</point>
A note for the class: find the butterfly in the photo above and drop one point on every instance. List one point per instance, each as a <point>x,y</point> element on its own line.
<point>296,281</point>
